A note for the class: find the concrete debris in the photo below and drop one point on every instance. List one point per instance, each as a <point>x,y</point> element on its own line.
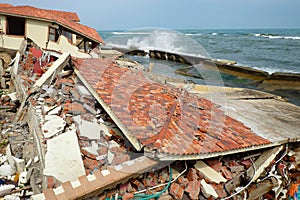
<point>5,189</point>
<point>53,127</point>
<point>209,173</point>
<point>65,144</point>
<point>6,170</point>
<point>208,190</point>
<point>88,129</point>
<point>63,153</point>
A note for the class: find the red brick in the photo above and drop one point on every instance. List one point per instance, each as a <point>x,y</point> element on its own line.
<point>219,190</point>
<point>74,108</point>
<point>120,159</point>
<point>215,164</point>
<point>176,191</point>
<point>50,182</point>
<point>183,181</point>
<point>192,174</point>
<point>193,189</point>
<point>226,173</point>
<point>247,163</point>
<point>65,81</point>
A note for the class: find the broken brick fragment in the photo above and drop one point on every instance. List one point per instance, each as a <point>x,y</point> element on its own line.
<point>247,163</point>
<point>65,81</point>
<point>183,181</point>
<point>120,159</point>
<point>193,189</point>
<point>176,191</point>
<point>226,173</point>
<point>192,174</point>
<point>74,108</point>
<point>219,190</point>
<point>215,164</point>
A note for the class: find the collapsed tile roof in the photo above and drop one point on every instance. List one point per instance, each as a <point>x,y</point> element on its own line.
<point>66,19</point>
<point>164,120</point>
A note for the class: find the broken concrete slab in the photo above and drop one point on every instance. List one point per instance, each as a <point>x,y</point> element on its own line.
<point>63,158</point>
<point>6,170</point>
<point>88,129</point>
<point>208,190</point>
<point>53,127</point>
<point>209,172</point>
<point>92,149</point>
<point>82,91</point>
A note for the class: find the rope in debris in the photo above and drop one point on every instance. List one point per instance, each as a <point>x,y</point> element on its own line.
<point>154,187</point>
<point>140,196</point>
<point>246,186</point>
<point>157,195</point>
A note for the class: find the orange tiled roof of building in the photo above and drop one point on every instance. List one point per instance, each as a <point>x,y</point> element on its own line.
<point>3,5</point>
<point>164,119</point>
<point>66,19</point>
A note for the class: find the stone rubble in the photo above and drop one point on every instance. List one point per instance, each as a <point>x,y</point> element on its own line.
<point>65,107</point>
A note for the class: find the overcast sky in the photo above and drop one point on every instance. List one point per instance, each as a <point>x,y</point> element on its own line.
<point>177,14</point>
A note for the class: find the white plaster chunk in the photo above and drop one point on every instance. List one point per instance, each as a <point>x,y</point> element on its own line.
<point>112,144</point>
<point>11,197</point>
<point>209,172</point>
<point>208,190</point>
<point>23,178</point>
<point>10,159</point>
<point>5,189</point>
<point>20,164</point>
<point>6,170</point>
<point>63,158</point>
<point>92,149</point>
<point>13,96</point>
<point>110,157</point>
<point>82,90</point>
<point>40,196</point>
<point>51,128</point>
<point>105,129</point>
<point>3,159</point>
<point>88,129</point>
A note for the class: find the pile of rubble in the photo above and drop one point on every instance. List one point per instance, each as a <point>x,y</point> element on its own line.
<point>244,176</point>
<point>60,132</point>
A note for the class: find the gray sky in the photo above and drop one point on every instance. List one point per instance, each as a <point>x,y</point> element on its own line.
<point>177,14</point>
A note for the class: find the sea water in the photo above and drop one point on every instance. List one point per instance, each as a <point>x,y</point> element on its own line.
<point>271,50</point>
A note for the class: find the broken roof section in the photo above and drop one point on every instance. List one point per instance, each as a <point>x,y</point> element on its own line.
<point>65,19</point>
<point>166,122</point>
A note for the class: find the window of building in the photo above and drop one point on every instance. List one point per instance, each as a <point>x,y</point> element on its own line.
<point>53,34</point>
<point>67,34</point>
<point>15,26</point>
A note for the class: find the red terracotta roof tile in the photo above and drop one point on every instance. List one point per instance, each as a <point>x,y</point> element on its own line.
<point>67,19</point>
<point>164,119</point>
